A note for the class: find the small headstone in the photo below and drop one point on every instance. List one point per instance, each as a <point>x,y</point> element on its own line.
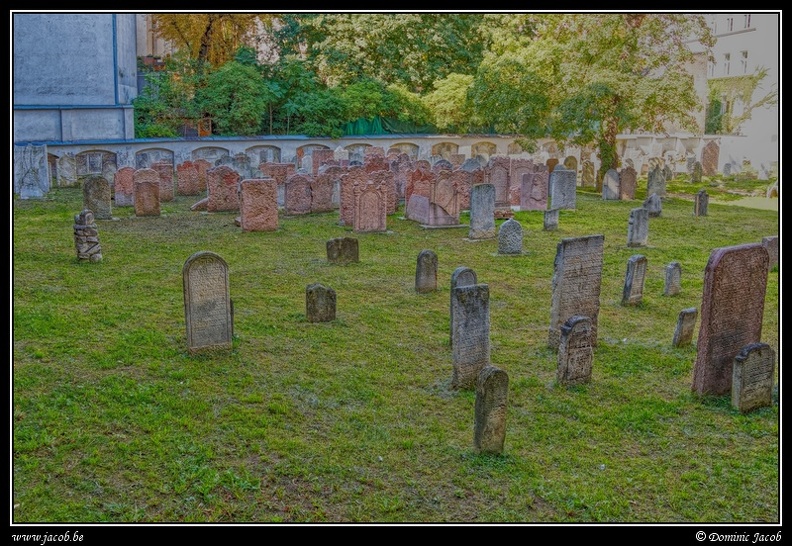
<point>510,237</point>
<point>638,227</point>
<point>482,212</point>
<point>492,390</point>
<point>673,279</point>
<point>654,205</point>
<point>686,322</point>
<point>610,185</point>
<point>86,237</point>
<point>634,280</point>
<point>701,203</point>
<point>695,175</point>
<point>771,244</point>
<point>426,272</point>
<point>320,303</point>
<point>753,377</point>
<point>575,351</point>
<point>656,182</point>
<point>207,302</point>
<point>551,220</point>
<point>342,250</point>
<point>470,334</point>
<point>97,197</point>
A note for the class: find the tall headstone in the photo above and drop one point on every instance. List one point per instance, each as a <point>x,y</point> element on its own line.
<point>611,186</point>
<point>97,197</point>
<point>771,244</point>
<point>297,196</point>
<point>638,227</point>
<point>426,272</point>
<point>577,279</point>
<point>628,180</point>
<point>563,189</point>
<point>686,323</point>
<point>346,210</point>
<point>654,205</point>
<point>497,171</point>
<point>709,158</point>
<point>634,280</point>
<point>164,169</point>
<point>470,335</point>
<point>656,182</point>
<point>732,309</point>
<point>371,203</point>
<point>534,190</point>
<point>223,188</point>
<point>188,179</point>
<point>701,203</point>
<point>492,390</point>
<point>146,184</point>
<point>550,220</point>
<point>320,303</point>
<point>343,250</point>
<point>86,237</point>
<point>753,377</point>
<point>462,276</point>
<point>207,302</point>
<point>510,237</point>
<point>258,204</point>
<point>575,351</point>
<point>324,187</point>
<point>124,187</point>
<point>482,212</point>
<point>673,279</point>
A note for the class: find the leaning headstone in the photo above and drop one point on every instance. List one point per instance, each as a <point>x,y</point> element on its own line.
<point>673,279</point>
<point>258,204</point>
<point>732,309</point>
<point>656,182</point>
<point>610,185</point>
<point>638,227</point>
<point>426,272</point>
<point>86,237</point>
<point>320,303</point>
<point>686,322</point>
<point>551,220</point>
<point>510,237</point>
<point>146,184</point>
<point>207,302</point>
<point>753,377</point>
<point>342,250</point>
<point>771,244</point>
<point>97,197</point>
<point>577,279</point>
<point>654,205</point>
<point>575,351</point>
<point>627,183</point>
<point>701,203</point>
<point>563,188</point>
<point>492,390</point>
<point>482,212</point>
<point>470,324</point>
<point>634,280</point>
<point>462,276</point>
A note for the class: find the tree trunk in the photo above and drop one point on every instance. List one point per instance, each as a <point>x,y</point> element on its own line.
<point>608,155</point>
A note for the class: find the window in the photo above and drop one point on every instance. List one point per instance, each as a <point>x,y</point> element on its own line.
<point>726,63</point>
<point>729,24</point>
<point>712,69</point>
<point>747,20</point>
<point>744,61</point>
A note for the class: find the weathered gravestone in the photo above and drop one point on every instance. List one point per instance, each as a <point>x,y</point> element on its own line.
<point>124,187</point>
<point>370,207</point>
<point>470,323</point>
<point>575,351</point>
<point>444,199</point>
<point>222,183</point>
<point>732,308</point>
<point>497,173</point>
<point>86,237</point>
<point>324,188</point>
<point>258,204</point>
<point>654,205</point>
<point>189,180</point>
<point>550,220</point>
<point>462,276</point>
<point>426,272</point>
<point>164,169</point>
<point>147,187</point>
<point>656,182</point>
<point>771,244</point>
<point>628,179</point>
<point>701,203</point>
<point>611,185</point>
<point>695,175</point>
<point>673,279</point>
<point>563,188</point>
<point>588,176</point>
<point>577,279</point>
<point>492,390</point>
<point>686,322</point>
<point>709,158</point>
<point>510,237</point>
<point>482,212</point>
<point>320,303</point>
<point>31,176</point>
<point>638,227</point>
<point>207,302</point>
<point>534,189</point>
<point>753,377</point>
<point>342,250</point>
<point>634,280</point>
<point>97,197</point>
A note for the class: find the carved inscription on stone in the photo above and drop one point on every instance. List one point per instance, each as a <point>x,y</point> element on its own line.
<point>470,334</point>
<point>426,272</point>
<point>686,322</point>
<point>482,212</point>
<point>673,279</point>
<point>207,302</point>
<point>492,390</point>
<point>634,280</point>
<point>575,352</point>
<point>753,377</point>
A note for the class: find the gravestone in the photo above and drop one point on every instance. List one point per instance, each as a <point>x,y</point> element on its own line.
<point>346,210</point>
<point>462,276</point>
<point>701,203</point>
<point>628,180</point>
<point>188,179</point>
<point>164,169</point>
<point>222,183</point>
<point>320,303</point>
<point>319,156</point>
<point>497,172</point>
<point>297,194</point>
<point>86,237</point>
<point>551,220</point>
<point>577,279</point>
<point>97,197</point>
<point>575,351</point>
<point>634,280</point>
<point>342,250</point>
<point>654,205</point>
<point>563,189</point>
<point>442,164</point>
<point>709,158</point>
<point>611,186</point>
<point>370,211</point>
<point>258,204</point>
<point>146,184</point>
<point>656,182</point>
<point>534,190</point>
<point>753,377</point>
<point>124,187</point>
<point>31,175</point>
<point>470,323</point>
<point>668,174</point>
<point>686,322</point>
<point>771,245</point>
<point>695,175</point>
<point>510,237</point>
<point>732,308</point>
<point>638,227</point>
<point>324,188</point>
<point>673,279</point>
<point>443,200</point>
<point>492,390</point>
<point>207,302</point>
<point>588,177</point>
<point>426,272</point>
<point>482,212</point>
<point>416,193</point>
<point>518,168</point>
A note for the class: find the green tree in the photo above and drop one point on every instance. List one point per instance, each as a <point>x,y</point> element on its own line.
<point>725,93</point>
<point>448,102</point>
<point>236,98</point>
